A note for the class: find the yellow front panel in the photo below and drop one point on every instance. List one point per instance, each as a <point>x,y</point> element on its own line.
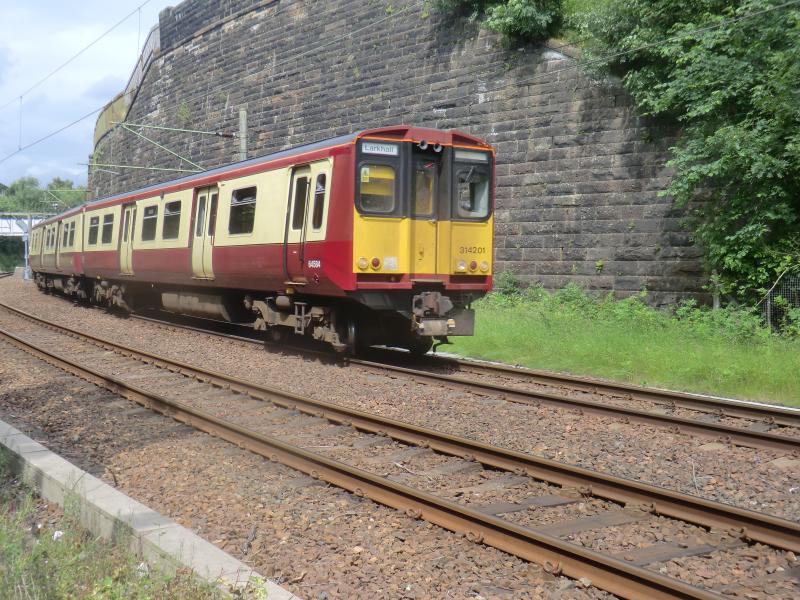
<point>386,239</point>
<point>422,246</point>
<point>465,241</point>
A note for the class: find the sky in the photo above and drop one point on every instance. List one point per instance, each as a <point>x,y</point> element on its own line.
<point>37,37</point>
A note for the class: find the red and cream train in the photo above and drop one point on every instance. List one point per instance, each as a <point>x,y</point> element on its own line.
<point>378,237</point>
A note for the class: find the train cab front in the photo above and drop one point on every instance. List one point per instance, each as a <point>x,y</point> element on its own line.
<point>422,233</point>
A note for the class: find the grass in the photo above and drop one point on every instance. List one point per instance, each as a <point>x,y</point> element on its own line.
<point>43,564</point>
<point>727,352</point>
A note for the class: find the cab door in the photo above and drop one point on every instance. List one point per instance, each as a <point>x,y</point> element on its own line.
<point>126,239</point>
<point>205,220</point>
<point>295,231</point>
<point>423,227</point>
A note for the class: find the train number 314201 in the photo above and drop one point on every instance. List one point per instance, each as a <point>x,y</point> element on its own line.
<point>472,250</point>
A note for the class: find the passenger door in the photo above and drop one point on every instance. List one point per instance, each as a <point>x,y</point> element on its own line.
<point>61,230</point>
<point>126,239</point>
<point>423,225</point>
<point>205,221</point>
<point>296,225</point>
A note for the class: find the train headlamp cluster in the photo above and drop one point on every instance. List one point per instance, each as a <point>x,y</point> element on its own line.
<point>364,263</point>
<point>423,145</point>
<point>463,267</point>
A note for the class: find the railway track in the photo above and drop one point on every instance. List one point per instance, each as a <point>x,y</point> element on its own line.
<point>6,274</point>
<point>531,507</point>
<point>742,423</point>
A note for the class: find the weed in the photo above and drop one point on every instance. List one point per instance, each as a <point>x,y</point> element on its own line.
<point>44,561</point>
<point>729,351</point>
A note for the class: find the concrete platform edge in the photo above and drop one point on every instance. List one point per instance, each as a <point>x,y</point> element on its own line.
<point>107,512</point>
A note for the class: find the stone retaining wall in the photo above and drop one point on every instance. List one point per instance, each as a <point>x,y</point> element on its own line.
<point>578,173</point>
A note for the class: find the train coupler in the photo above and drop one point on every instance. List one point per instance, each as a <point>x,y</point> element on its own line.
<point>434,314</point>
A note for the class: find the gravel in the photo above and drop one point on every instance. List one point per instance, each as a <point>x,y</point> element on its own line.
<point>317,541</point>
<point>759,480</point>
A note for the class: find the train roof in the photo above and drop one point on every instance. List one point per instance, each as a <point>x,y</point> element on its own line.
<point>401,131</point>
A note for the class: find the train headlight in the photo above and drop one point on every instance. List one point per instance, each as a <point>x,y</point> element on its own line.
<point>376,263</point>
<point>473,265</point>
<point>461,266</point>
<point>363,263</point>
<point>484,266</point>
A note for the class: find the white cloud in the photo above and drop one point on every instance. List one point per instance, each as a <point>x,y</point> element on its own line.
<point>60,30</point>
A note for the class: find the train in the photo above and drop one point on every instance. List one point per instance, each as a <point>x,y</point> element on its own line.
<point>379,237</point>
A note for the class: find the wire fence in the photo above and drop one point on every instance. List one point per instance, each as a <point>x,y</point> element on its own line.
<point>783,297</point>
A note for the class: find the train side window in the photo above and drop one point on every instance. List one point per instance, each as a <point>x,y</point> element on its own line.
<point>378,189</point>
<point>172,220</point>
<point>300,200</point>
<point>212,217</point>
<point>94,225</point>
<point>64,235</point>
<point>149,221</point>
<point>125,225</point>
<point>243,211</point>
<point>319,201</point>
<point>108,229</point>
<point>71,234</point>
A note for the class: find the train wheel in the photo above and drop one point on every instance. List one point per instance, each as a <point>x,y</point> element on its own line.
<point>420,346</point>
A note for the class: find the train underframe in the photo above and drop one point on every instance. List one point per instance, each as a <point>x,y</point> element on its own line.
<point>414,320</point>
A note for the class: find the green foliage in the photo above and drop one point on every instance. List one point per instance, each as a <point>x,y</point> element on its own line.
<point>25,195</point>
<point>728,351</point>
<point>12,253</point>
<point>527,20</point>
<point>726,72</point>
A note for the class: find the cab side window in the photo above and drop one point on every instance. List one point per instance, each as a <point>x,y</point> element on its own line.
<point>319,202</point>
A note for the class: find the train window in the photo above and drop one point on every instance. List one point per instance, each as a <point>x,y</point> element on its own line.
<point>201,216</point>
<point>378,188</point>
<point>424,187</point>
<point>71,241</point>
<point>212,217</point>
<point>94,225</point>
<point>319,201</point>
<point>108,229</point>
<point>172,220</point>
<point>243,211</point>
<point>149,220</point>
<point>472,193</point>
<point>300,200</point>
<point>64,234</point>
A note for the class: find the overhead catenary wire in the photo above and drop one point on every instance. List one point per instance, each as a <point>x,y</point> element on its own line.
<point>599,60</point>
<point>394,14</point>
<point>76,55</point>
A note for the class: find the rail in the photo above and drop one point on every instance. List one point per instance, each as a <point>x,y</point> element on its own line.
<point>605,571</point>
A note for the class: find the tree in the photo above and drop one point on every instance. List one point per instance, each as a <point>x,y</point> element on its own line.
<point>727,73</point>
<point>25,195</point>
<point>529,20</point>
